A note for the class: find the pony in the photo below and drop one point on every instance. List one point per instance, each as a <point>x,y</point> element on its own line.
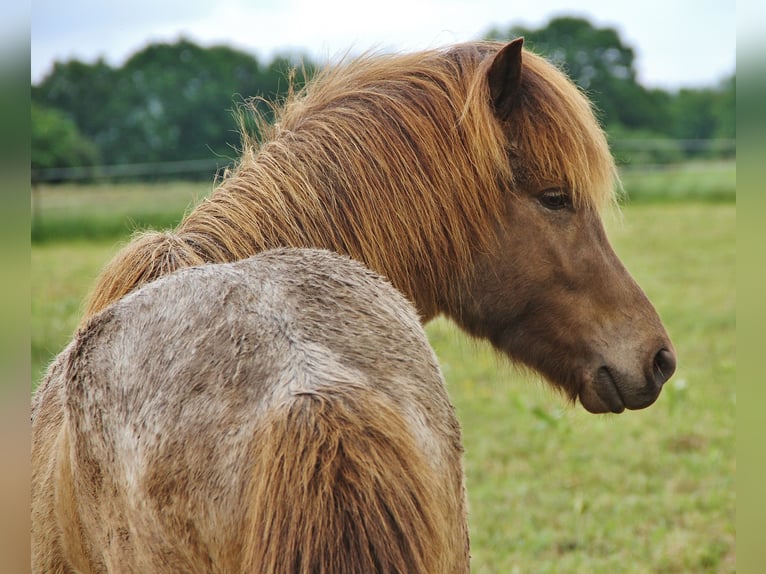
<point>283,413</point>
<point>472,177</point>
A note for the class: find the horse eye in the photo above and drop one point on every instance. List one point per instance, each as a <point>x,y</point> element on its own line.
<point>554,199</point>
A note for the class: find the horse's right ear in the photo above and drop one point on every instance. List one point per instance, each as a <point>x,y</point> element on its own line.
<point>504,78</point>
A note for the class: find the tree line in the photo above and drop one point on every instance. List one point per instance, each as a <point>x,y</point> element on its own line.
<point>177,101</point>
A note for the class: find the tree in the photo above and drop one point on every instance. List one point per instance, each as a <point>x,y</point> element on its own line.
<point>167,102</point>
<point>726,109</point>
<point>84,93</point>
<point>56,141</point>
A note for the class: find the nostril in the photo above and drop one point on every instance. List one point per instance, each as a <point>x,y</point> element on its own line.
<point>664,366</point>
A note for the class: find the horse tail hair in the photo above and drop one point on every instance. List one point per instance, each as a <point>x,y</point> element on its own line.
<point>149,255</point>
<point>339,486</point>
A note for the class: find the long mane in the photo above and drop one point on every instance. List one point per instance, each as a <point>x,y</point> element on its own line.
<point>395,160</point>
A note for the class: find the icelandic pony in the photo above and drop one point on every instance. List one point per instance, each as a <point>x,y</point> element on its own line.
<point>284,413</point>
<point>472,178</point>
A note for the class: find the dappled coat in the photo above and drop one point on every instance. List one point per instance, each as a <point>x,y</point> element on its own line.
<point>280,414</point>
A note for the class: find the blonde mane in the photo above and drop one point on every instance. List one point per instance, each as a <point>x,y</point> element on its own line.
<point>395,160</point>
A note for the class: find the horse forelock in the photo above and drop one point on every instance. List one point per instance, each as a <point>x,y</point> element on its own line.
<point>557,138</point>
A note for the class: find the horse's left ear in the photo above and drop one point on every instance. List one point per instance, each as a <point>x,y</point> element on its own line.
<point>504,78</point>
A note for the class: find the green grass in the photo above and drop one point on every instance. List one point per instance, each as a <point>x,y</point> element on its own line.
<point>102,211</point>
<point>552,488</point>
<point>700,181</point>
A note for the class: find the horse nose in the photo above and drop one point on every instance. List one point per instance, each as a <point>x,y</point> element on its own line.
<point>663,367</point>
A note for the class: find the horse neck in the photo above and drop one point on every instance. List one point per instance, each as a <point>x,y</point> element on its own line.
<point>252,212</point>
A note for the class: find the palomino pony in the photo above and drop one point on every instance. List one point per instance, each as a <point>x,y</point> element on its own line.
<point>280,414</point>
<point>470,177</point>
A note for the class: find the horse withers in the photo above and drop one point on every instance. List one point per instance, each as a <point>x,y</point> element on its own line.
<point>472,178</point>
<point>283,413</point>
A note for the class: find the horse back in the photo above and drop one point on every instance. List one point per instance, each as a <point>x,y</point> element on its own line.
<point>221,415</point>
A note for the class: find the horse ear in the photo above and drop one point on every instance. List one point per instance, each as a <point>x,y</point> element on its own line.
<point>504,78</point>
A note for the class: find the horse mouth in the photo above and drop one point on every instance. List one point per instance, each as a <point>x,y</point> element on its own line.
<point>611,391</point>
<point>602,395</point>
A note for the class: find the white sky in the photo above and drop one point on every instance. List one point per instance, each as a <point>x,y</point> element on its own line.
<point>677,42</point>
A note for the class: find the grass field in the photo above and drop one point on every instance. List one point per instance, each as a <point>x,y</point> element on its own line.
<point>551,488</point>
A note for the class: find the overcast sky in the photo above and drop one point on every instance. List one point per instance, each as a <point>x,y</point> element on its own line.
<point>678,43</point>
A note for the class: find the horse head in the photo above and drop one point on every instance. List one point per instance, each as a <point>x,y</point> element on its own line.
<point>552,294</point>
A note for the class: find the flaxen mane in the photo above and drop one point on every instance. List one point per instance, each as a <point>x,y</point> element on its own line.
<point>396,160</point>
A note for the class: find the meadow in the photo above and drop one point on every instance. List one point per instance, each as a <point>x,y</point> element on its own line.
<point>551,487</point>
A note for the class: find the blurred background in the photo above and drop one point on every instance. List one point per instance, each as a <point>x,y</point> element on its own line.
<point>117,87</point>
<point>133,111</point>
